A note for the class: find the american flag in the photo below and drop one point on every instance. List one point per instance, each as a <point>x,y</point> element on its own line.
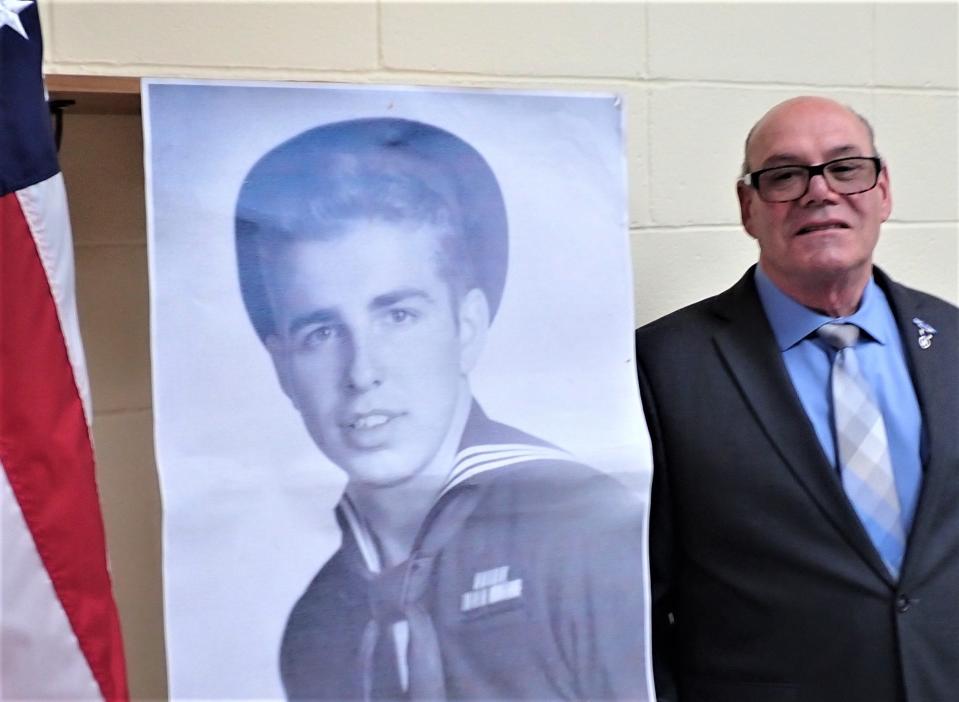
<point>59,630</point>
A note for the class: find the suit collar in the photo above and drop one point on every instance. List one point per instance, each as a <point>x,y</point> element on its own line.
<point>933,371</point>
<point>748,347</point>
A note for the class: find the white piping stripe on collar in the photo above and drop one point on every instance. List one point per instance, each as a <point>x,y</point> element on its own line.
<point>496,448</point>
<point>362,537</point>
<point>470,462</point>
<point>494,454</point>
<point>497,456</point>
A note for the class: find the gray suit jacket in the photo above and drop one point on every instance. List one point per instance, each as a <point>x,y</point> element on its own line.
<point>765,584</point>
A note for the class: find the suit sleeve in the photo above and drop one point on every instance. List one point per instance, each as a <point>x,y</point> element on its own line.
<point>663,556</point>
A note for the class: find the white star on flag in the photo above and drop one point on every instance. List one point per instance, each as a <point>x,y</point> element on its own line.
<point>10,15</point>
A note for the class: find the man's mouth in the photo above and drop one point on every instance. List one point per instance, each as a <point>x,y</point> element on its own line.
<point>822,226</point>
<point>366,421</point>
<point>369,431</point>
<point>370,421</point>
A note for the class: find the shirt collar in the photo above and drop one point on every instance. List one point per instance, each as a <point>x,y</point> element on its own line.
<point>792,322</point>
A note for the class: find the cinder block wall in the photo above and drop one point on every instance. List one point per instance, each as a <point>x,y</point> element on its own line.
<point>694,78</point>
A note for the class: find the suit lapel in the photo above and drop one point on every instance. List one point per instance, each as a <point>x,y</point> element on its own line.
<point>934,372</point>
<point>746,343</point>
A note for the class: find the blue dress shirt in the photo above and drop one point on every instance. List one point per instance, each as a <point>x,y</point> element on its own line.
<point>882,360</point>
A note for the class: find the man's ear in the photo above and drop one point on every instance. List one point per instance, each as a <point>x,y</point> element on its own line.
<point>886,192</point>
<point>473,326</point>
<point>745,193</point>
<point>280,354</point>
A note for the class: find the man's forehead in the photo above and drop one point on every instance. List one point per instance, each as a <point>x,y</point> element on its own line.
<point>363,237</point>
<point>793,128</point>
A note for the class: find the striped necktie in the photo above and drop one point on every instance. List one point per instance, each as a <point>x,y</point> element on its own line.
<point>863,448</point>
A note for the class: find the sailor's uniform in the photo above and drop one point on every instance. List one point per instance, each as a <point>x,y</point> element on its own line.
<point>536,591</point>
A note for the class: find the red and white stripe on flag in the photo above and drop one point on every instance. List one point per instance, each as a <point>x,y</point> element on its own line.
<point>59,629</point>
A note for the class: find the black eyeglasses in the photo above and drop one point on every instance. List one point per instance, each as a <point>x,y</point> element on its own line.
<point>846,176</point>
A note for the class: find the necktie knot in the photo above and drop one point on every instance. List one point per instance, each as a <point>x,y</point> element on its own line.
<point>401,593</point>
<point>839,336</point>
<point>395,589</point>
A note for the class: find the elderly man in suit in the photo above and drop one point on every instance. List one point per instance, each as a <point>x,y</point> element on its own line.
<point>805,508</point>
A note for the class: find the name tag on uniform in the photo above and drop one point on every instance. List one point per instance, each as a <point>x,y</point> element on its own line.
<point>489,587</point>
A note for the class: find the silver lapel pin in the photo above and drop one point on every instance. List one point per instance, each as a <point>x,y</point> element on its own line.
<point>926,332</point>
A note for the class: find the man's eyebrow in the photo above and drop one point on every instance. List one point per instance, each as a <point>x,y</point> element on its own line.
<point>789,159</point>
<point>847,150</point>
<point>320,316</point>
<point>401,295</point>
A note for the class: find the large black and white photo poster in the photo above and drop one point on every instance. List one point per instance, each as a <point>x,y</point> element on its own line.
<point>400,443</point>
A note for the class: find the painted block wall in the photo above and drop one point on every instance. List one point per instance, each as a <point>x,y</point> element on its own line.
<point>694,76</point>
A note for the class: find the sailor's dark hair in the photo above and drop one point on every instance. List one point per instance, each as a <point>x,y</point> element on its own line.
<point>315,184</point>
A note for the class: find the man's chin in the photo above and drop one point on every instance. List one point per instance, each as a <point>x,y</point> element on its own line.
<point>365,476</point>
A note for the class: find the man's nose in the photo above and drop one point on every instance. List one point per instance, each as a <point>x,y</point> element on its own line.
<point>362,369</point>
<point>819,190</point>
